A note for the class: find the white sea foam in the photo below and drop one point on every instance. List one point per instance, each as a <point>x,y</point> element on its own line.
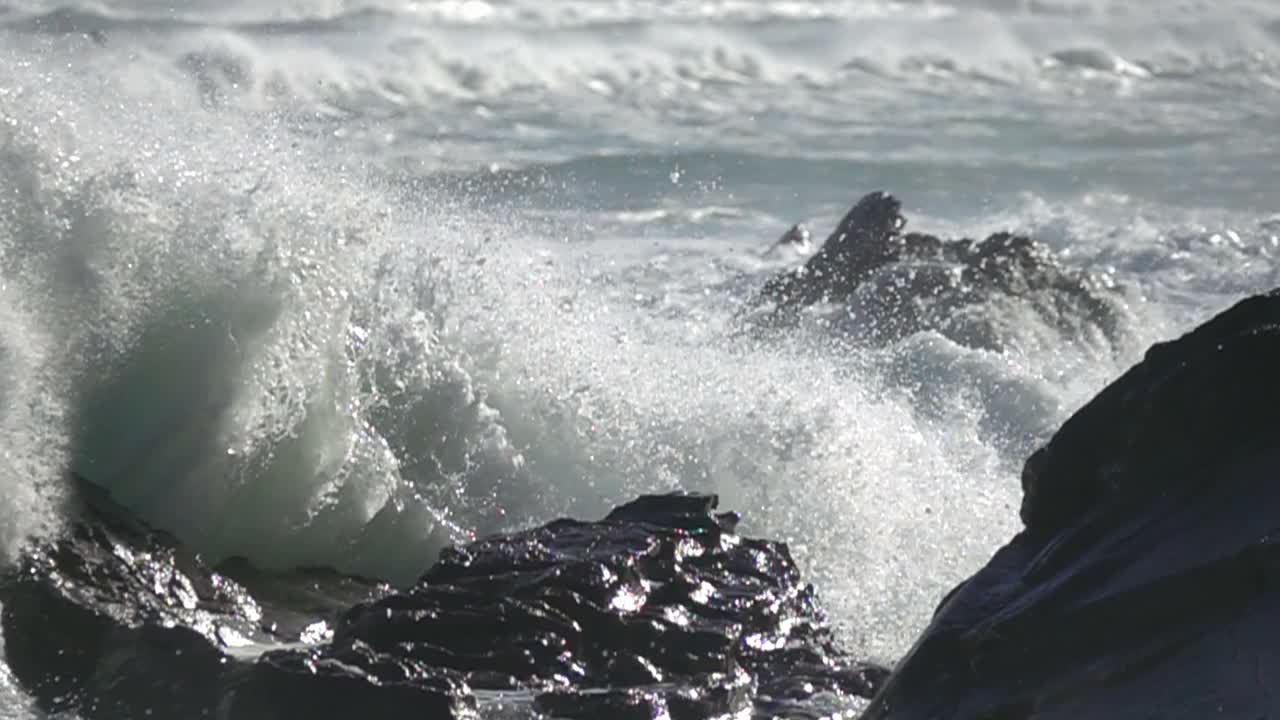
<point>228,294</point>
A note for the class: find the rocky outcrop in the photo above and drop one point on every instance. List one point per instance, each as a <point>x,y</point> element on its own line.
<point>894,283</point>
<point>658,608</point>
<point>115,619</point>
<point>1146,582</point>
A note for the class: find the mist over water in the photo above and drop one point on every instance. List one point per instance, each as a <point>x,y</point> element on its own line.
<point>333,284</point>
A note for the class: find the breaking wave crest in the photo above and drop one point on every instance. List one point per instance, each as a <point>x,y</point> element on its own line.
<point>274,351</point>
<point>279,357</point>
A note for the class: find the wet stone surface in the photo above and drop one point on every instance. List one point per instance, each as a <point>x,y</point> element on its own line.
<point>660,609</point>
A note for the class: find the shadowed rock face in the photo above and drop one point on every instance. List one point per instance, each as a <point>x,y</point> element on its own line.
<point>867,238</point>
<point>895,284</point>
<point>658,608</point>
<point>1147,580</point>
<point>92,621</point>
<point>115,619</point>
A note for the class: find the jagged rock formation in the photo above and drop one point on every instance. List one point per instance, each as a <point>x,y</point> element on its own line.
<point>660,607</point>
<point>1145,583</point>
<point>894,284</point>
<point>115,619</point>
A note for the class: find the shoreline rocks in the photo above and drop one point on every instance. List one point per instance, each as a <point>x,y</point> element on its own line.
<point>1146,582</point>
<point>893,283</point>
<point>659,607</point>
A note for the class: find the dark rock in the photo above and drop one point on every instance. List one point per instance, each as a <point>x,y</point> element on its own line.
<point>894,284</point>
<point>302,604</point>
<point>659,610</point>
<point>659,607</point>
<point>1147,580</point>
<point>113,620</point>
<point>797,235</point>
<point>865,239</point>
<point>718,696</point>
<point>795,239</point>
<point>1196,402</point>
<point>342,684</point>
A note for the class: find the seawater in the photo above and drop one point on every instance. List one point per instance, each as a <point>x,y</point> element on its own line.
<point>340,283</point>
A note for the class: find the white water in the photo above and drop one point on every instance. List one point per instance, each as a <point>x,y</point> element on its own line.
<point>336,284</point>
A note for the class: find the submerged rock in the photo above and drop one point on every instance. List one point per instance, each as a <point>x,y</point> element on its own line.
<point>894,284</point>
<point>1146,582</point>
<point>660,609</point>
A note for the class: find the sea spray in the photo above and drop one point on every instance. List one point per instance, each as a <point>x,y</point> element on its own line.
<point>263,353</point>
<point>225,297</point>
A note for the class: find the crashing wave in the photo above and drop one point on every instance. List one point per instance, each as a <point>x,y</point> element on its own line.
<point>1143,581</point>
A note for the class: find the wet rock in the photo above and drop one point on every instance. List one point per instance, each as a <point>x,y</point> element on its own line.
<point>658,607</point>
<point>795,240</point>
<point>658,610</point>
<point>302,604</point>
<point>1146,582</point>
<point>114,619</point>
<point>344,683</point>
<point>892,284</point>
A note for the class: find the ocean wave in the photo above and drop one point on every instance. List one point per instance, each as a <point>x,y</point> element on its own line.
<point>325,14</point>
<point>266,345</point>
<point>327,17</point>
<point>534,111</point>
<point>690,60</point>
<point>223,362</point>
<point>268,354</point>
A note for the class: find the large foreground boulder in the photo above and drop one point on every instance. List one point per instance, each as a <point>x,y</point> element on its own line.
<point>1146,583</point>
<point>890,284</point>
<point>658,610</point>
